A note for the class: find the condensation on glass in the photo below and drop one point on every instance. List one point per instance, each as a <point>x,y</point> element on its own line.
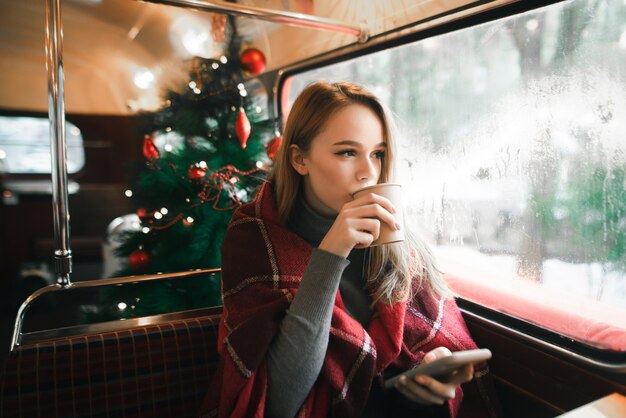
<point>513,147</point>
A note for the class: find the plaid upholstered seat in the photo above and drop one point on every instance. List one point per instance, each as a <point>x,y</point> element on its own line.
<point>161,370</point>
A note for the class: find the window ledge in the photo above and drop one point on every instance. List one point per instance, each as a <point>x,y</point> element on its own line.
<point>585,320</point>
<point>611,406</point>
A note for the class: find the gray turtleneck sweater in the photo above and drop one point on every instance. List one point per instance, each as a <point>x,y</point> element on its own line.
<point>296,355</point>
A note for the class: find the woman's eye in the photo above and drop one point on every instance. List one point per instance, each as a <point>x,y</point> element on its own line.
<point>379,154</point>
<point>347,153</point>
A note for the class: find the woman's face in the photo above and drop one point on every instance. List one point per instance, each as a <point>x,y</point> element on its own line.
<point>344,157</point>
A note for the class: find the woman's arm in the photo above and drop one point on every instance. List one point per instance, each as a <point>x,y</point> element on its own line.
<point>297,352</point>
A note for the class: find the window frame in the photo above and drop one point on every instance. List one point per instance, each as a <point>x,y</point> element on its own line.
<point>562,345</point>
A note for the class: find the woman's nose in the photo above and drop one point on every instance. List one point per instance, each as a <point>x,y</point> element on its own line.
<point>368,171</point>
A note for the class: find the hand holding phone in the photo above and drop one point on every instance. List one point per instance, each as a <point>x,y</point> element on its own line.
<point>444,365</point>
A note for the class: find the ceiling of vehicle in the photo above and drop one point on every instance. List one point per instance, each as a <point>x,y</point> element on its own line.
<point>109,45</point>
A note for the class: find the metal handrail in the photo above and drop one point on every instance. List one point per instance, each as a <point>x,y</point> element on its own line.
<point>56,114</point>
<point>287,18</point>
<point>21,313</point>
<point>82,330</point>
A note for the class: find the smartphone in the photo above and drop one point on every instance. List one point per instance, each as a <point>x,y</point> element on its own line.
<point>444,365</point>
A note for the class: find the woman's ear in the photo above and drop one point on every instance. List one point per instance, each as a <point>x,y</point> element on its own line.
<point>296,158</point>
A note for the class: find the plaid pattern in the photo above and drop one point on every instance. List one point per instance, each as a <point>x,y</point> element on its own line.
<point>258,290</point>
<point>153,371</point>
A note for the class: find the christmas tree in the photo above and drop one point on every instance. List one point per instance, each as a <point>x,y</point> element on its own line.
<point>206,152</point>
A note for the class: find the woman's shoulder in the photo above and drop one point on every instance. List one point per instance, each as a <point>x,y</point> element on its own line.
<point>252,220</point>
<point>262,207</point>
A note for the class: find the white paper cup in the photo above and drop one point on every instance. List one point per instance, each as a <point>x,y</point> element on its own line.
<point>393,192</point>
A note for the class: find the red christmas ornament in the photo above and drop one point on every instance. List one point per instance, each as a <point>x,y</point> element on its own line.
<point>196,173</point>
<point>242,128</point>
<point>272,147</point>
<point>150,151</point>
<point>252,61</point>
<point>139,259</point>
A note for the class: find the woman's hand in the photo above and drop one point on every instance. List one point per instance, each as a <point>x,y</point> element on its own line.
<point>426,390</point>
<point>358,224</point>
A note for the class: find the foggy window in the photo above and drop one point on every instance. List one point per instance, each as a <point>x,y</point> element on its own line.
<point>512,149</point>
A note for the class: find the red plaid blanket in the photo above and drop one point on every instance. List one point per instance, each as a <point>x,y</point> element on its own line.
<point>262,264</point>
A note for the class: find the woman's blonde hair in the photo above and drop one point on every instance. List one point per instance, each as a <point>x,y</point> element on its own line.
<point>390,268</point>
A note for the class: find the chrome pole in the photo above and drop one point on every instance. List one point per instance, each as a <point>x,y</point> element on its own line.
<point>278,16</point>
<point>56,115</point>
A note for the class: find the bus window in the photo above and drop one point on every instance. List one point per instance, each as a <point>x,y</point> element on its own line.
<point>25,146</point>
<point>513,156</point>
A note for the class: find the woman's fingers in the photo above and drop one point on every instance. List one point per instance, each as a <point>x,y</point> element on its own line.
<point>435,354</point>
<point>373,198</point>
<point>372,210</point>
<point>358,224</point>
<point>427,389</point>
<point>348,233</point>
<point>462,375</point>
<point>365,231</point>
<point>445,391</point>
<point>418,393</point>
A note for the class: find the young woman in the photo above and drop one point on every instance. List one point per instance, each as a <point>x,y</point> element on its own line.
<point>314,319</point>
